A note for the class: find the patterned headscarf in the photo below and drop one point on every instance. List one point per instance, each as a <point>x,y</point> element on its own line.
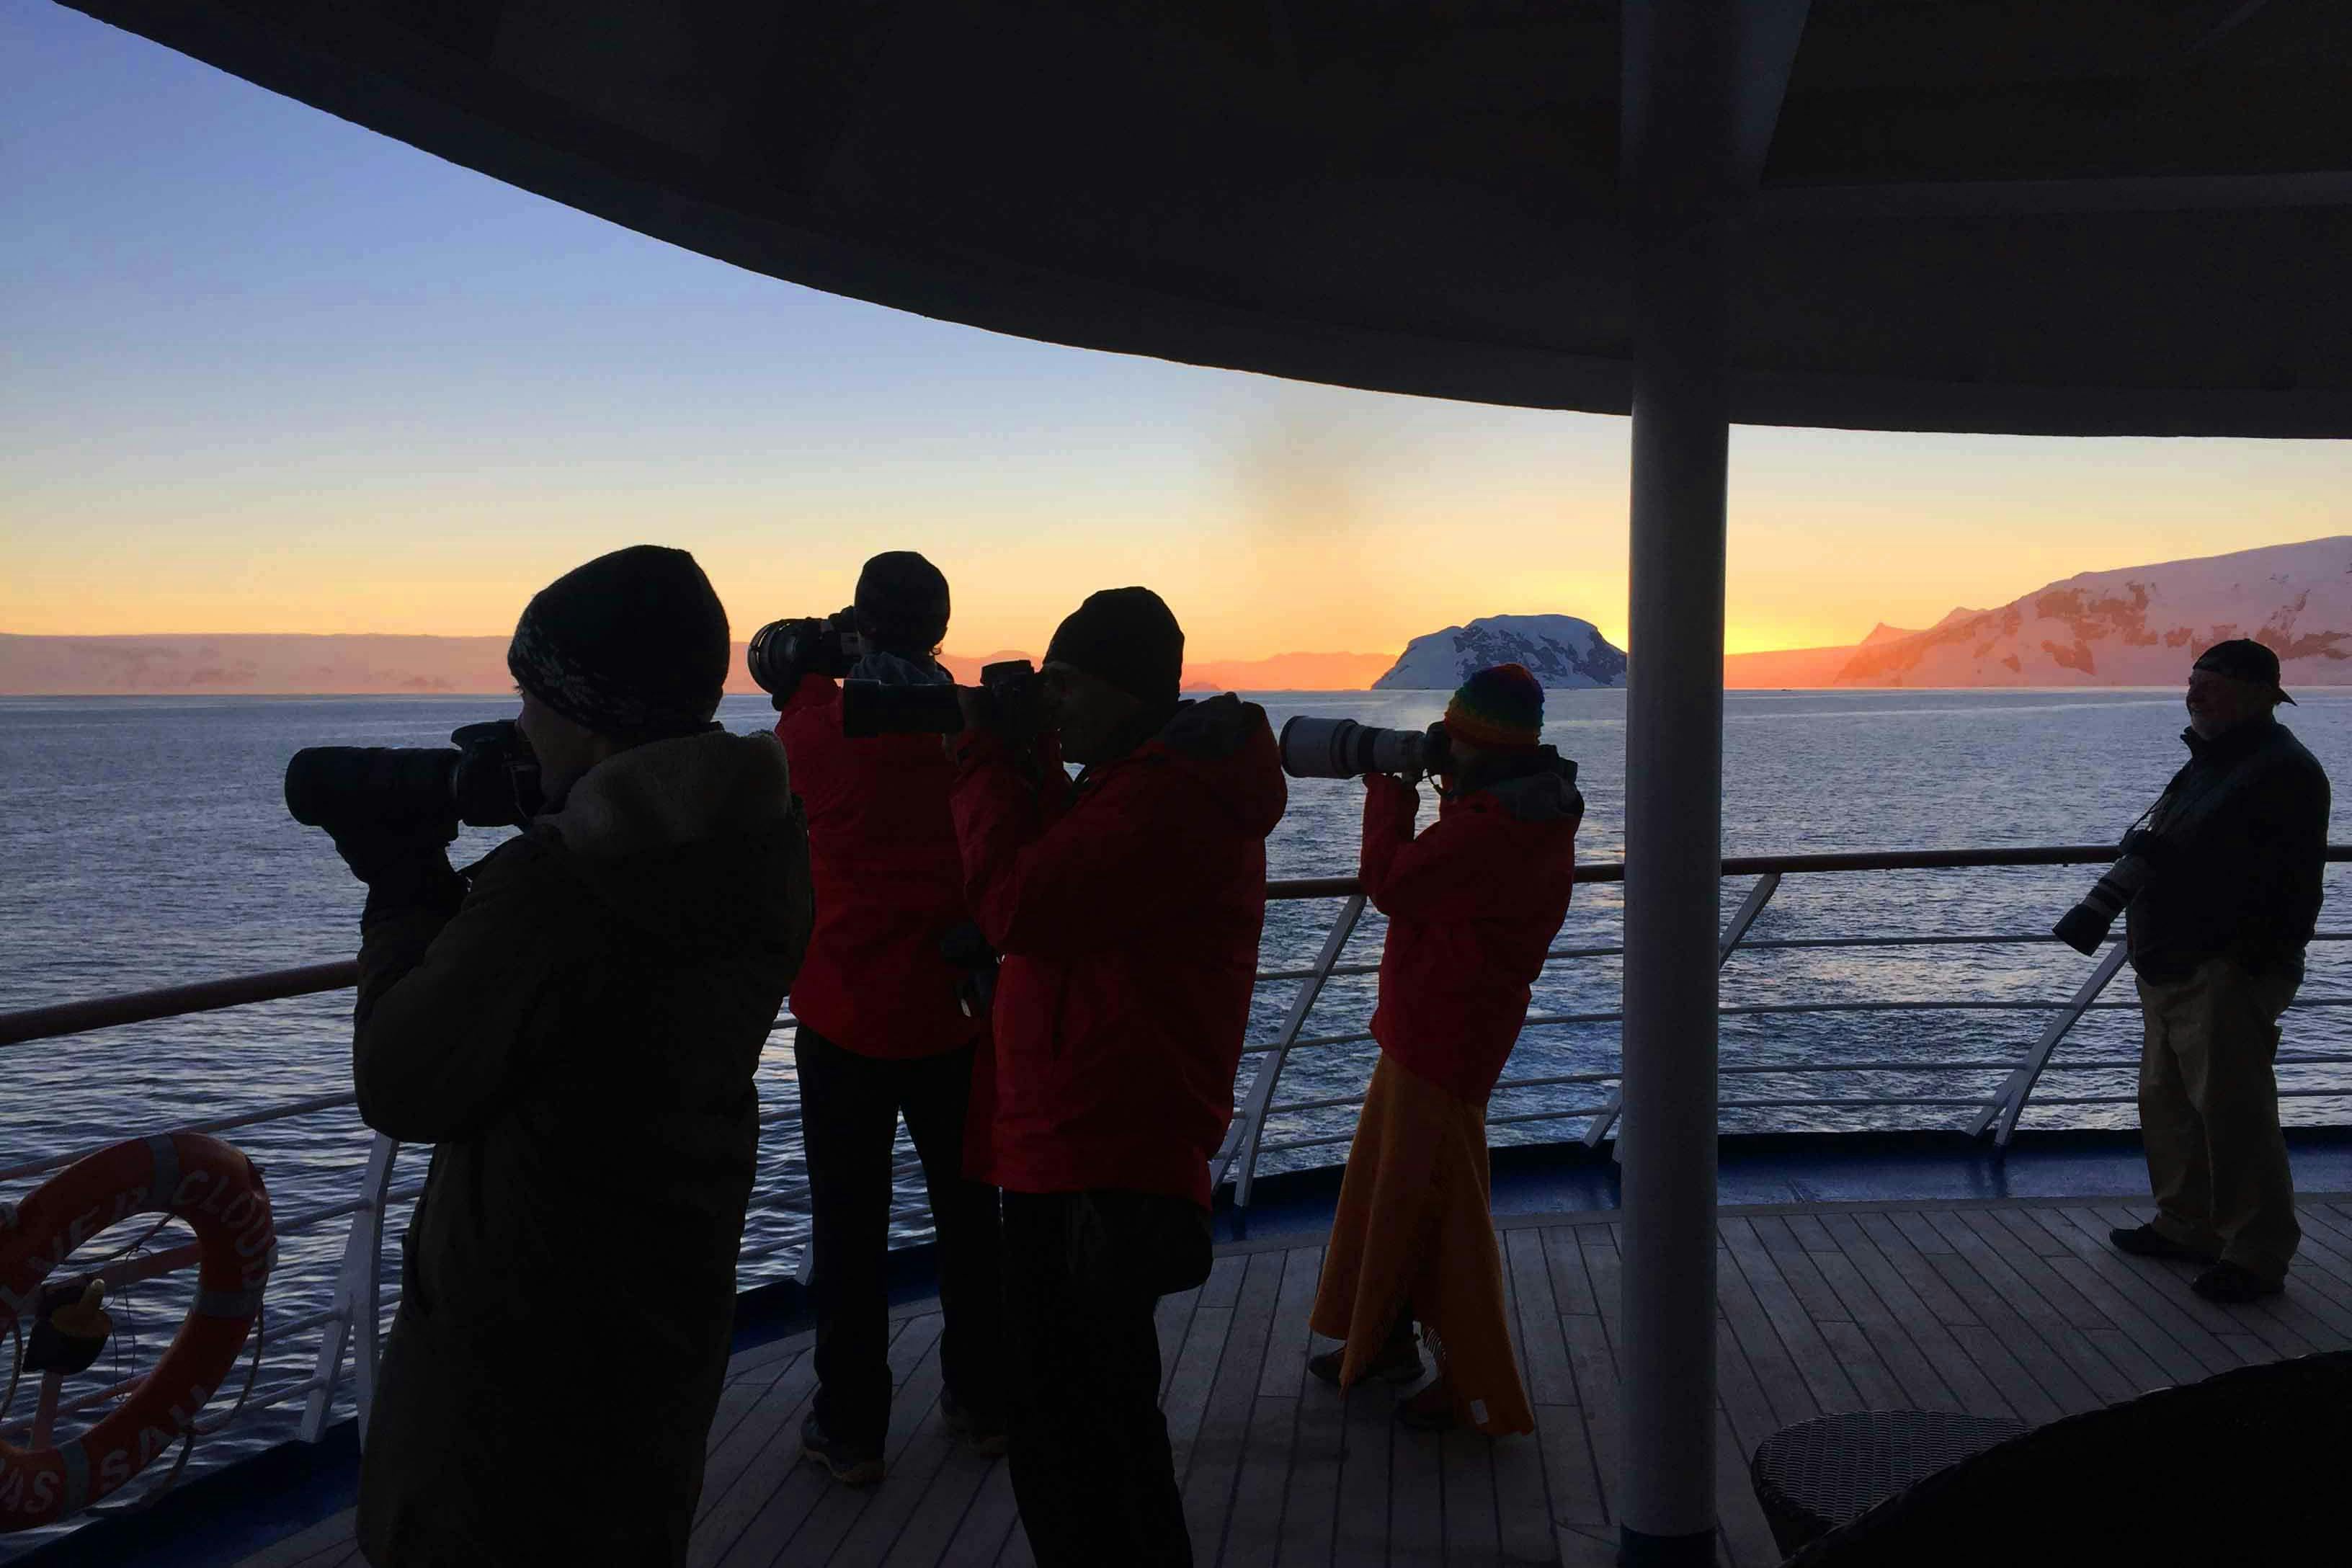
<point>633,645</point>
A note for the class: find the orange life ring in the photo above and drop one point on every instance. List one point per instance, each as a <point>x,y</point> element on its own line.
<point>217,1191</point>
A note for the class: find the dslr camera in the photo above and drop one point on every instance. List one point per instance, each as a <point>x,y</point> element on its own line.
<point>2085,926</point>
<point>783,651</point>
<point>1012,698</point>
<point>486,777</point>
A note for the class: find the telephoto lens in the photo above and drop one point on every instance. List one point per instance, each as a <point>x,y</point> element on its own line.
<point>1015,704</point>
<point>783,651</point>
<point>488,779</point>
<point>874,708</point>
<point>2085,926</point>
<point>1342,749</point>
<point>338,787</point>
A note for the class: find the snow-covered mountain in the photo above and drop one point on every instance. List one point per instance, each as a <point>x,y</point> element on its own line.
<point>2140,626</point>
<point>1561,650</point>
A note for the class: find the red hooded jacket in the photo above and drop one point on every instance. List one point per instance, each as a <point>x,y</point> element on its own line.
<point>882,848</point>
<point>1473,905</point>
<point>1128,910</point>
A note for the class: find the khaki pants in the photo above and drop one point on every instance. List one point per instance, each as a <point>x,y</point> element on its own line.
<point>2208,1114</point>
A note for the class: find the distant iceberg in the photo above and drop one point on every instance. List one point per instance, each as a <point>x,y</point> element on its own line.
<point>1563,651</point>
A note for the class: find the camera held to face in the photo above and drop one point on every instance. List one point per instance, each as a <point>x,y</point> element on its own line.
<point>782,652</point>
<point>489,778</point>
<point>1342,749</point>
<point>1012,696</point>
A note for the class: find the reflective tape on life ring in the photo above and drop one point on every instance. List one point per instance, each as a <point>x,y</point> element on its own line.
<point>218,1193</point>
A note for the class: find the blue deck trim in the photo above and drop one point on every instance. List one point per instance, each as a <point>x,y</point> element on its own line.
<point>217,1519</point>
<point>221,1517</point>
<point>1754,1169</point>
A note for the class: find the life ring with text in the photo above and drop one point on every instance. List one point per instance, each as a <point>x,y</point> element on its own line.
<point>219,1193</point>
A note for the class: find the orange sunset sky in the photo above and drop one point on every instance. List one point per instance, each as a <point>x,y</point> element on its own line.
<point>268,372</point>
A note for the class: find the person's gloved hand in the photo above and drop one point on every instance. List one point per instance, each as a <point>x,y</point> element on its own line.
<point>404,867</point>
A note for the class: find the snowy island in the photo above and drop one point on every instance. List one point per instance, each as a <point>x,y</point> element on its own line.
<point>1561,650</point>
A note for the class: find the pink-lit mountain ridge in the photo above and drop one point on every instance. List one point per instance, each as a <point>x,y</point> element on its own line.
<point>2139,625</point>
<point>2135,626</point>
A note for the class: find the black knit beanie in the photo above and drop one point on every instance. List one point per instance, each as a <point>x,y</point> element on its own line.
<point>633,645</point>
<point>1127,637</point>
<point>902,601</point>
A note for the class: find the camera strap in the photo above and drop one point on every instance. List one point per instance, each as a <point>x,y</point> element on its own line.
<point>2178,818</point>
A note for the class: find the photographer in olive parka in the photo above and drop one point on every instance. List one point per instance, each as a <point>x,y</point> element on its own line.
<point>573,1024</point>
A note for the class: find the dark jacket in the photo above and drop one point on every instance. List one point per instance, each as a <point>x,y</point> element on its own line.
<point>1473,904</point>
<point>1128,910</point>
<point>2235,848</point>
<point>578,1042</point>
<point>889,885</point>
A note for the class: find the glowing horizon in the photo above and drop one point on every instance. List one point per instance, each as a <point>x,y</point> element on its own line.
<point>270,372</point>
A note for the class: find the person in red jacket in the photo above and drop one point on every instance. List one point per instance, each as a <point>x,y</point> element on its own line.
<point>882,1033</point>
<point>1473,905</point>
<point>1128,907</point>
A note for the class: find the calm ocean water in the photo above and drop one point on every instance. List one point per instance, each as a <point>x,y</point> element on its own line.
<point>145,843</point>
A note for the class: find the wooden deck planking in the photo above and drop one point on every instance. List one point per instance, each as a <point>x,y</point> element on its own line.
<point>1360,1532</point>
<point>1797,1322</point>
<point>1417,1501</point>
<point>993,1518</point>
<point>1994,1307</point>
<point>1523,1505</point>
<point>1746,1535</point>
<point>321,1542</point>
<point>1785,1388</point>
<point>1310,1508</point>
<point>1212,1469</point>
<point>2061,1356</point>
<point>1254,1529</point>
<point>808,1512</point>
<point>1923,1388</point>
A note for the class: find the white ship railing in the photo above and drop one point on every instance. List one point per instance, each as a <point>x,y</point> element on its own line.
<point>1996,1111</point>
<point>348,1329</point>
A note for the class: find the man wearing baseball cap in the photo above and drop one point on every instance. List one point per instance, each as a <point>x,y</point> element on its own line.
<point>2233,851</point>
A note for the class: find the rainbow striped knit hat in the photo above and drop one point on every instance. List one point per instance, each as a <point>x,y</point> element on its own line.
<point>1501,707</point>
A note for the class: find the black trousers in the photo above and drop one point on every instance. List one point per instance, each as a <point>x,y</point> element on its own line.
<point>1091,1467</point>
<point>850,1106</point>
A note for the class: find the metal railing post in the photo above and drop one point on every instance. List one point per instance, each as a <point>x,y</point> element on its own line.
<point>1750,908</point>
<point>2009,1104</point>
<point>1251,1123</point>
<point>1599,1127</point>
<point>358,1301</point>
<point>1724,946</point>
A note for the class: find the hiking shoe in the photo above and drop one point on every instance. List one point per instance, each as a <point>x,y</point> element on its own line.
<point>984,1437</point>
<point>852,1464</point>
<point>1399,1363</point>
<point>2146,1241</point>
<point>1430,1410</point>
<point>2234,1282</point>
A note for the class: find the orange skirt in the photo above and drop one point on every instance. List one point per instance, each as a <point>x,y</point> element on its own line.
<point>1414,1231</point>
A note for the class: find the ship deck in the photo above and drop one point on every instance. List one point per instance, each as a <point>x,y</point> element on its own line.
<point>2010,1307</point>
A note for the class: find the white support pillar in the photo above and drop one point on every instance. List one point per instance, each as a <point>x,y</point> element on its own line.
<point>1682,92</point>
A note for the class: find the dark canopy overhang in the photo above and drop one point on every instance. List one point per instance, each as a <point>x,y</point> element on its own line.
<point>2073,216</point>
